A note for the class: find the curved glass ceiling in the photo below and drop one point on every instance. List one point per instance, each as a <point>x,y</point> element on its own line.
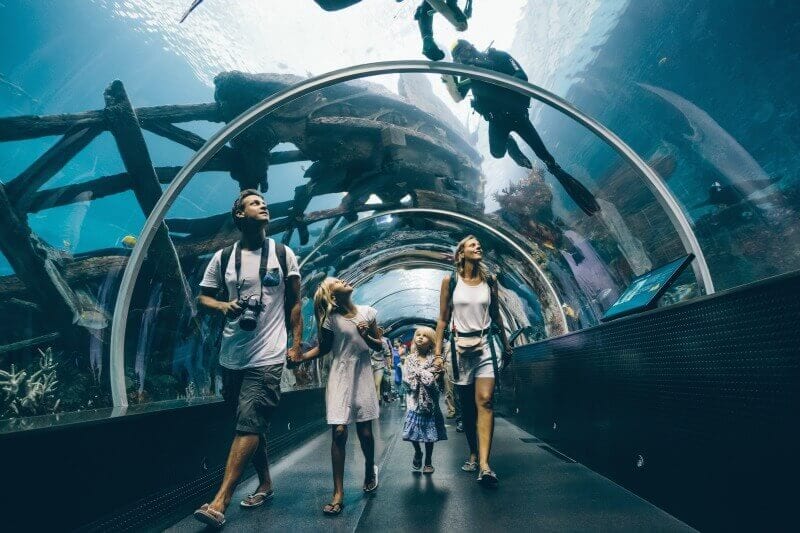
<point>78,182</point>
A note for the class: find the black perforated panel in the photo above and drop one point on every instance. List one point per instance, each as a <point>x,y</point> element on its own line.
<point>694,407</point>
<point>125,473</point>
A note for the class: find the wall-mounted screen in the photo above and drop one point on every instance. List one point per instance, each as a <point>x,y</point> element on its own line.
<point>644,291</point>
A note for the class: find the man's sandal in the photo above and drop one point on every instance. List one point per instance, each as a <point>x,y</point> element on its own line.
<point>257,499</point>
<point>372,487</point>
<point>333,509</point>
<point>210,517</point>
<point>469,466</point>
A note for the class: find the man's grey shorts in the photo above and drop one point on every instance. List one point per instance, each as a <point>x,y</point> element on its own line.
<point>255,393</point>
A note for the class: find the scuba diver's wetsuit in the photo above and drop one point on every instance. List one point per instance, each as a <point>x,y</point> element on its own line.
<point>424,17</point>
<point>506,111</point>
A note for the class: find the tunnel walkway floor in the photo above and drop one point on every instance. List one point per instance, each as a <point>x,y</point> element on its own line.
<point>539,490</point>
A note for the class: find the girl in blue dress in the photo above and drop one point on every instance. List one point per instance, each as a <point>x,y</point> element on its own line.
<point>424,421</point>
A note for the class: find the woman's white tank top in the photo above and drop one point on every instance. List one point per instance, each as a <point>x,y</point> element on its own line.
<point>470,306</point>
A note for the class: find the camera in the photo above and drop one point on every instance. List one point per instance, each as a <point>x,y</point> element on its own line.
<point>251,308</point>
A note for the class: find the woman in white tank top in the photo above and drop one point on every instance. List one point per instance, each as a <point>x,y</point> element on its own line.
<point>474,308</point>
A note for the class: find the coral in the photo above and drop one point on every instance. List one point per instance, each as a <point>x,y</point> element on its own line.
<point>30,395</point>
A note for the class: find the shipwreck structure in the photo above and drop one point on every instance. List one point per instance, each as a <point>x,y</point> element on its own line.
<point>358,138</point>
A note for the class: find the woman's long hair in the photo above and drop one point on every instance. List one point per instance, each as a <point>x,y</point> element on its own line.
<point>324,302</point>
<point>460,261</point>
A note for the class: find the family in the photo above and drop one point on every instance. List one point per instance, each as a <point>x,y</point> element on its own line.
<point>255,284</point>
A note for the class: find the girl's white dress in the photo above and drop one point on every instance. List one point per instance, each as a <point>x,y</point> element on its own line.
<point>350,395</point>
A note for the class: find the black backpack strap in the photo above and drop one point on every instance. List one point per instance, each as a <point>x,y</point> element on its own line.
<point>492,282</point>
<point>280,251</point>
<point>224,259</point>
<point>453,352</point>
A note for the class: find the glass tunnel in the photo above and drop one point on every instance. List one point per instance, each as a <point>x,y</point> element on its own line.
<point>651,135</point>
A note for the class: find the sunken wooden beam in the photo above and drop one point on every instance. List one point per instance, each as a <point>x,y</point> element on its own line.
<point>124,126</point>
<point>195,142</point>
<point>36,266</point>
<point>34,126</point>
<point>301,201</point>
<point>210,225</point>
<point>19,303</point>
<point>187,139</point>
<point>119,183</point>
<point>287,156</point>
<point>36,341</point>
<point>22,188</point>
<point>91,268</point>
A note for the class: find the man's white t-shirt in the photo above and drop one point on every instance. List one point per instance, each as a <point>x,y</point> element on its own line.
<point>266,344</point>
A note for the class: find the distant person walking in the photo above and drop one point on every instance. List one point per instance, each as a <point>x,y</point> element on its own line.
<point>378,360</point>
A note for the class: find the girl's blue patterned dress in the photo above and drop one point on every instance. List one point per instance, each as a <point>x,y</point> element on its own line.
<point>424,421</point>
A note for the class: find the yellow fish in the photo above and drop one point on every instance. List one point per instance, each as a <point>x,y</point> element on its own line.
<point>569,311</point>
<point>129,241</point>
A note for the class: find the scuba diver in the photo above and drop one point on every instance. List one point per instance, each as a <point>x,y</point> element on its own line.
<point>506,111</point>
<point>424,16</point>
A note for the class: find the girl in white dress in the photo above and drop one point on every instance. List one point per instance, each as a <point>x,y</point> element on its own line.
<point>349,332</point>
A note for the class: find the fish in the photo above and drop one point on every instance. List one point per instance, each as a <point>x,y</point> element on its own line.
<point>717,146</point>
<point>569,311</point>
<point>129,241</point>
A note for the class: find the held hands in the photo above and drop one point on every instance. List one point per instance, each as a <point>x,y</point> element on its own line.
<point>294,355</point>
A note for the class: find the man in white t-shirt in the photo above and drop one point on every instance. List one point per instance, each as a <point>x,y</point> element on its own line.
<point>258,290</point>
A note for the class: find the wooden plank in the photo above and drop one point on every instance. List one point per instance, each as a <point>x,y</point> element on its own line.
<point>34,126</point>
<point>35,264</point>
<point>90,268</point>
<point>119,183</point>
<point>287,156</point>
<point>36,341</point>
<point>124,126</point>
<point>188,139</point>
<point>106,186</point>
<point>21,188</point>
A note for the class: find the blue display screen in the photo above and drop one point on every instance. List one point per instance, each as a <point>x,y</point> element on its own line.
<point>645,290</point>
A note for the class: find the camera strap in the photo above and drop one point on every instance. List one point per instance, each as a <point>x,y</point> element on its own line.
<point>262,269</point>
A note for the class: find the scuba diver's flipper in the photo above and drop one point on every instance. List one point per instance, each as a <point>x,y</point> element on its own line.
<point>449,9</point>
<point>431,50</point>
<point>516,154</point>
<point>580,194</point>
<point>192,7</point>
<point>424,17</point>
<point>335,5</point>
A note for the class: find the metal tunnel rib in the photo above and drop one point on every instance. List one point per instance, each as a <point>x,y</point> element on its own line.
<point>255,113</point>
